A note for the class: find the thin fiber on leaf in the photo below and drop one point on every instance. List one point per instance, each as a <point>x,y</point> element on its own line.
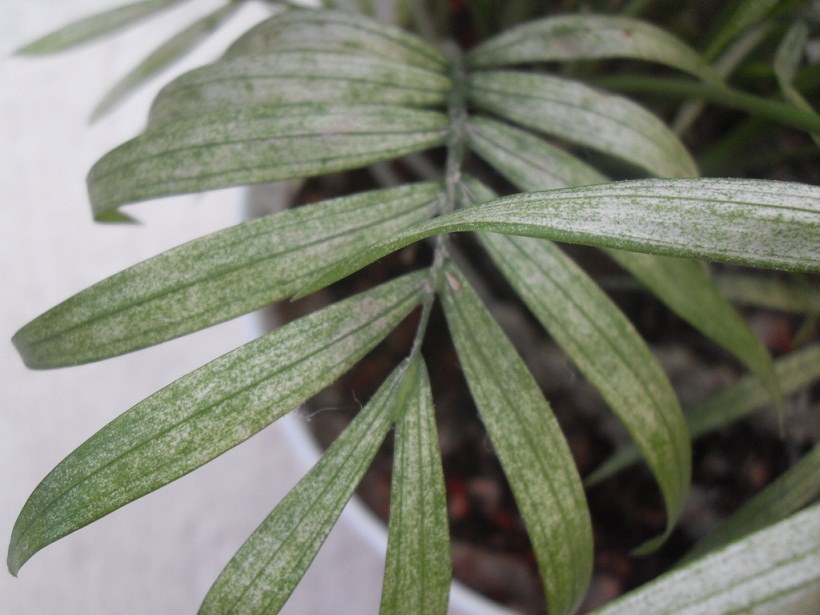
<point>173,49</point>
<point>798,486</point>
<point>776,570</point>
<point>291,77</point>
<point>529,443</point>
<point>794,372</point>
<point>605,347</point>
<point>588,37</point>
<point>98,25</point>
<point>581,114</point>
<point>267,568</point>
<point>417,569</point>
<point>340,32</point>
<point>744,221</point>
<point>257,144</point>
<point>218,277</point>
<point>207,412</point>
<point>687,289</point>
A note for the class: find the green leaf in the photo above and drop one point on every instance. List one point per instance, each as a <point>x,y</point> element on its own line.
<point>794,372</point>
<point>267,568</point>
<point>752,104</point>
<point>605,347</point>
<point>744,16</point>
<point>257,144</point>
<point>218,277</point>
<point>290,77</point>
<point>686,288</point>
<point>417,570</point>
<point>744,221</point>
<point>792,491</point>
<point>96,26</point>
<point>164,55</point>
<point>207,412</point>
<point>529,444</point>
<point>526,160</point>
<point>723,66</point>
<point>581,114</point>
<point>798,296</point>
<point>588,37</point>
<point>776,570</point>
<point>338,32</point>
<point>786,60</point>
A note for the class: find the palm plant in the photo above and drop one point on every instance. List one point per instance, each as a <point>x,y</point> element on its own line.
<point>312,91</point>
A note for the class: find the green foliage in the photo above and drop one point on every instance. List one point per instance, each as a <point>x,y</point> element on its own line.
<point>309,92</point>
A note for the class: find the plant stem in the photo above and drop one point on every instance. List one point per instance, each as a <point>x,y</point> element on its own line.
<point>756,105</point>
<point>457,111</point>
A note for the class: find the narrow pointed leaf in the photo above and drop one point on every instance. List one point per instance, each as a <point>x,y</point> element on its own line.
<point>529,444</point>
<point>798,486</point>
<point>526,160</point>
<point>749,222</point>
<point>744,16</point>
<point>257,144</point>
<point>338,31</point>
<point>267,568</point>
<point>417,570</point>
<point>581,114</point>
<point>786,61</point>
<point>205,413</point>
<point>588,37</point>
<point>96,26</point>
<point>605,347</point>
<point>798,296</point>
<point>776,570</point>
<point>686,288</point>
<point>290,77</point>
<point>218,277</point>
<point>173,49</point>
<point>794,372</point>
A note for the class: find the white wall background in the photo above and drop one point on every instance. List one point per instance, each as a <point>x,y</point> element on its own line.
<point>160,554</point>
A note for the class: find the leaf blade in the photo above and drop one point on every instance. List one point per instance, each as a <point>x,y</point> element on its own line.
<point>171,50</point>
<point>772,569</point>
<point>795,488</point>
<point>747,395</point>
<point>95,26</point>
<point>571,110</point>
<point>205,413</point>
<point>255,145</point>
<point>588,37</point>
<point>217,277</point>
<point>292,77</point>
<point>687,289</point>
<point>417,568</point>
<point>685,218</point>
<point>526,160</point>
<point>338,31</point>
<point>608,351</point>
<point>529,444</point>
<point>266,569</point>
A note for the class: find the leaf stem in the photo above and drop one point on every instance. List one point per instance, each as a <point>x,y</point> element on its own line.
<point>457,111</point>
<point>756,105</point>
